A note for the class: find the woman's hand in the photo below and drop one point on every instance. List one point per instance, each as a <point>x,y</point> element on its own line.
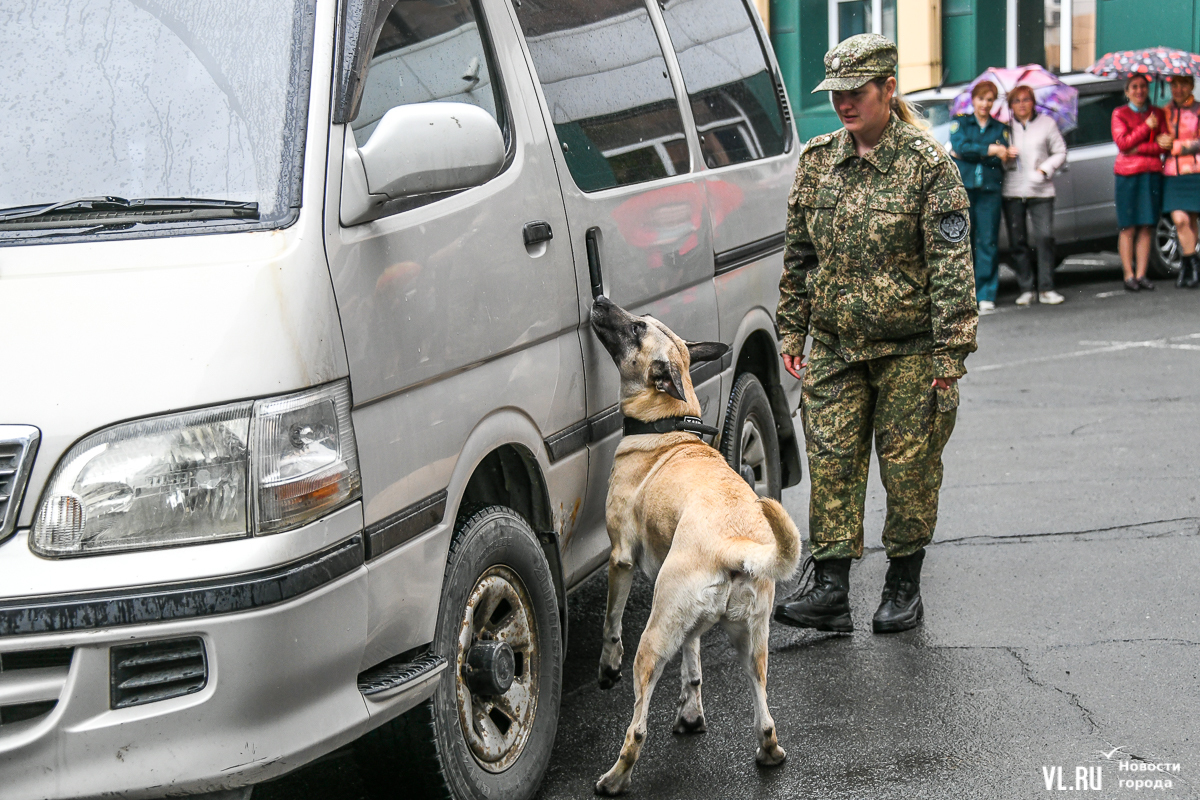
<point>1151,122</point>
<point>793,364</point>
<point>1165,140</point>
<point>941,383</point>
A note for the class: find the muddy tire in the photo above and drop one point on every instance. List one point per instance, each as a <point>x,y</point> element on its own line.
<point>470,741</point>
<point>749,441</point>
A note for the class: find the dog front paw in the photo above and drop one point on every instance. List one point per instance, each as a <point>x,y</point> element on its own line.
<point>609,677</point>
<point>771,756</point>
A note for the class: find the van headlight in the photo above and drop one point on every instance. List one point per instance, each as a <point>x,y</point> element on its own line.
<point>199,476</point>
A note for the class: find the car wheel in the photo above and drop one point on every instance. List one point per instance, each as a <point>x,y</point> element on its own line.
<point>749,441</point>
<point>488,730</point>
<point>1165,255</point>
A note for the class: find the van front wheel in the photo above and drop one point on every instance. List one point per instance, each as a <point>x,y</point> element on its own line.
<point>749,441</point>
<point>488,730</point>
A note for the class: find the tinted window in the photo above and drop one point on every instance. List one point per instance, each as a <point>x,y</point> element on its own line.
<point>728,83</point>
<point>935,112</point>
<point>605,80</point>
<point>1095,118</point>
<point>428,50</point>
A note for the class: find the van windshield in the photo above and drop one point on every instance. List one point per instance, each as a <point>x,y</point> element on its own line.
<point>150,100</point>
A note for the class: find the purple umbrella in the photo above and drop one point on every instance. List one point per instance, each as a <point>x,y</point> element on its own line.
<point>1050,95</point>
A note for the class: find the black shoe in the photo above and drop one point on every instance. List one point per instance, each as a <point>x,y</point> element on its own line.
<point>1185,271</point>
<point>901,606</point>
<point>825,604</point>
<point>1144,284</point>
<point>1131,285</point>
<point>1193,279</point>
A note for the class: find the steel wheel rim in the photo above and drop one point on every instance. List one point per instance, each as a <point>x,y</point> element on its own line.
<point>754,455</point>
<point>1167,243</point>
<point>497,727</point>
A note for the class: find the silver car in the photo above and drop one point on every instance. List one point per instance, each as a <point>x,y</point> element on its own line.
<point>304,436</point>
<point>1085,214</point>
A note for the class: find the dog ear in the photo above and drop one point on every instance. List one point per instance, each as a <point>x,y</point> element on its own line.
<point>667,378</point>
<point>706,351</point>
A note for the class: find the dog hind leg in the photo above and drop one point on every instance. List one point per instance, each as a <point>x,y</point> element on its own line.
<point>690,712</point>
<point>671,622</point>
<point>750,639</point>
<point>620,579</point>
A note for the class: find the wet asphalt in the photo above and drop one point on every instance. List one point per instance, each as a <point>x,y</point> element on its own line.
<point>1062,602</point>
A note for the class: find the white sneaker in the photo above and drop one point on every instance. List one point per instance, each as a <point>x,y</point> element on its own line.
<point>1050,298</point>
<point>1025,299</point>
<point>987,307</point>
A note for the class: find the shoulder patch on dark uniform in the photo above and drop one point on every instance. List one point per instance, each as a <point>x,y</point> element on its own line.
<point>953,227</point>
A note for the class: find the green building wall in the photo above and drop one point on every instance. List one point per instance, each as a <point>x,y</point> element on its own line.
<point>1134,24</point>
<point>973,39</point>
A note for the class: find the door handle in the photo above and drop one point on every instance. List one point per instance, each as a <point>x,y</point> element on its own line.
<point>537,231</point>
<point>591,240</point>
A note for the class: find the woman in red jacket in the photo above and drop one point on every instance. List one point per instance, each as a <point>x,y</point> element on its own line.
<point>1135,129</point>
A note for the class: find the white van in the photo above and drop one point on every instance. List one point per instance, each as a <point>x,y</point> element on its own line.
<point>304,436</point>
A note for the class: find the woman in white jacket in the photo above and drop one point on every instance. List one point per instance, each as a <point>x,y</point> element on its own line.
<point>1036,152</point>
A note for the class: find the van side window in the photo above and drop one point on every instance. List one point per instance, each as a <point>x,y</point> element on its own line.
<point>427,50</point>
<point>1095,119</point>
<point>728,82</point>
<point>604,75</point>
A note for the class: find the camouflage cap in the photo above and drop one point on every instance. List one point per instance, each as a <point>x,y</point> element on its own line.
<point>857,60</point>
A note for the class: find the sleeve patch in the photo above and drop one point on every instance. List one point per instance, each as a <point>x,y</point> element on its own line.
<point>953,227</point>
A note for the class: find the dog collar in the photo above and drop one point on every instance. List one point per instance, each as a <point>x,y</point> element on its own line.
<point>694,425</point>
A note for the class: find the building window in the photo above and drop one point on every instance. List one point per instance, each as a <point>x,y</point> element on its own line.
<point>1083,34</point>
<point>1053,30</point>
<point>851,17</point>
<point>1072,21</point>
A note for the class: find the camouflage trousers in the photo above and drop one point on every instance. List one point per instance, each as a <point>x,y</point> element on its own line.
<point>842,405</point>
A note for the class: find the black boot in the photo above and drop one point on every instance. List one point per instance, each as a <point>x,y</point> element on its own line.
<point>1185,271</point>
<point>825,605</point>
<point>1194,276</point>
<point>901,607</point>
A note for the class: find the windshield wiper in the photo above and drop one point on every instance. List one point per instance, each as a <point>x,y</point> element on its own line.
<point>108,210</point>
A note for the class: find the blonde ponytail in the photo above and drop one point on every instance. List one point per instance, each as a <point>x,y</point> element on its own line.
<point>900,107</point>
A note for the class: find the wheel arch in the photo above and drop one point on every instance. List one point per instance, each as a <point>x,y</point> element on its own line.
<point>504,462</point>
<point>757,352</point>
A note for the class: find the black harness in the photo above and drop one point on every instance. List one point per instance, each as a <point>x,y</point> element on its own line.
<point>634,427</point>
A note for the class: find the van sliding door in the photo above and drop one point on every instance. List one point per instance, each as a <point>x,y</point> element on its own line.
<point>627,167</point>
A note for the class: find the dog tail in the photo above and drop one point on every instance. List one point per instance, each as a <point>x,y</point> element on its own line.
<point>776,562</point>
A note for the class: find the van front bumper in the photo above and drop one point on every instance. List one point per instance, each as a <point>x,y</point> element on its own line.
<point>282,648</point>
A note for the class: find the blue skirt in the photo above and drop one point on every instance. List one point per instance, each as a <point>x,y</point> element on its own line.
<point>1139,199</point>
<point>1181,192</point>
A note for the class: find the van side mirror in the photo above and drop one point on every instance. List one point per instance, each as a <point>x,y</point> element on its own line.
<point>417,149</point>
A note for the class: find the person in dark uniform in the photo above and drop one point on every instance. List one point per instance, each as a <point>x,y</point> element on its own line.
<point>877,270</point>
<point>979,143</point>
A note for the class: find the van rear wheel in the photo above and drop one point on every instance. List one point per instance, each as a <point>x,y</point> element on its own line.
<point>488,730</point>
<point>749,441</point>
<point>1165,255</point>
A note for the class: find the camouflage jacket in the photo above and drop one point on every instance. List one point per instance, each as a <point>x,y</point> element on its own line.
<point>878,260</point>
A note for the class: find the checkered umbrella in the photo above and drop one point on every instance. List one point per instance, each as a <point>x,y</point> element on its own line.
<point>1153,62</point>
<point>1051,96</point>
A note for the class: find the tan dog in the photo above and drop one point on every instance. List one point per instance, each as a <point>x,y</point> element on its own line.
<point>712,546</point>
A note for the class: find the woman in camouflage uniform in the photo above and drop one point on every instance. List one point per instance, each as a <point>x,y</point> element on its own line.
<point>878,271</point>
